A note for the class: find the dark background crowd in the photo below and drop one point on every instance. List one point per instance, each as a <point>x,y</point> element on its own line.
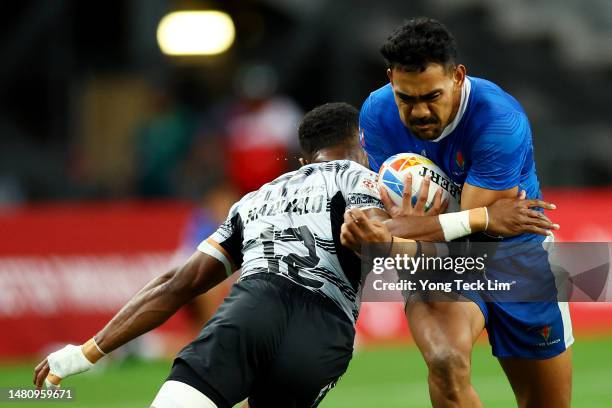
<point>91,109</point>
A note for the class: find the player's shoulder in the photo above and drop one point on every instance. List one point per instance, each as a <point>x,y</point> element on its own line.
<point>378,102</point>
<point>493,110</point>
<point>382,94</point>
<point>244,200</point>
<point>490,101</point>
<point>277,183</point>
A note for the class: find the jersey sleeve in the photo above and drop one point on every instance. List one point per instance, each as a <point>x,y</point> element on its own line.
<point>499,152</point>
<point>225,244</point>
<point>359,187</point>
<point>371,134</point>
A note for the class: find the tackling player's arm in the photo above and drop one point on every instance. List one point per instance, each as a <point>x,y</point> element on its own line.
<point>146,310</point>
<point>160,299</point>
<point>216,258</point>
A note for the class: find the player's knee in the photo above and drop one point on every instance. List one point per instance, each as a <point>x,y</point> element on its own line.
<point>449,370</point>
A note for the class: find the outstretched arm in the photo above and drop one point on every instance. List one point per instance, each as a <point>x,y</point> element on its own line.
<point>160,299</point>
<point>146,310</point>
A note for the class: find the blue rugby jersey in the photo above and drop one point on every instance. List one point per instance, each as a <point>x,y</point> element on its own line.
<point>488,145</point>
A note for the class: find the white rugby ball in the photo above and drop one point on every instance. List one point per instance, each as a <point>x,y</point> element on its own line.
<point>393,171</point>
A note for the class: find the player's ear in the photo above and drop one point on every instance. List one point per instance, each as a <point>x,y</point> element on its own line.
<point>390,74</point>
<point>303,161</point>
<point>459,75</point>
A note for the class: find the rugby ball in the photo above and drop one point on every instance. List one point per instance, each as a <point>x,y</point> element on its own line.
<point>393,171</point>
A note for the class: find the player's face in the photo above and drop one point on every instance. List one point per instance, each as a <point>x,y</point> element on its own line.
<point>428,100</point>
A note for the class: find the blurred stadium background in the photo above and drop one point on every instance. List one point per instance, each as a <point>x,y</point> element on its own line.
<point>116,159</point>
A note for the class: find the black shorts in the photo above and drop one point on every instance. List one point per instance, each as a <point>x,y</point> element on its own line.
<point>272,341</point>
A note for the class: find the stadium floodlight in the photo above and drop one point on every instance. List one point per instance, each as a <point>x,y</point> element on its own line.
<point>195,33</point>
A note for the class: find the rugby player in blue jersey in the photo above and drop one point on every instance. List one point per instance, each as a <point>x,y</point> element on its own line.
<point>480,136</point>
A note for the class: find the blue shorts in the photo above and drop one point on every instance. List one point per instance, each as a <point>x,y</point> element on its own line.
<point>531,329</point>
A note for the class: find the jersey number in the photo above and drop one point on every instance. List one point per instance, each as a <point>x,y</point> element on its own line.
<point>294,262</point>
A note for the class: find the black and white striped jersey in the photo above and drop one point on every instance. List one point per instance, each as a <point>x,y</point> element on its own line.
<point>291,227</point>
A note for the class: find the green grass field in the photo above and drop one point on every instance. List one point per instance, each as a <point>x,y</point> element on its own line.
<point>389,377</point>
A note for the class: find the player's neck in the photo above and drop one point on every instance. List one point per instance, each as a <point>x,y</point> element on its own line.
<point>332,153</point>
<point>456,105</point>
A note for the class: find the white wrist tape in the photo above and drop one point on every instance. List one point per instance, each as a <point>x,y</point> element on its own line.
<point>68,361</point>
<point>455,225</point>
<point>50,386</point>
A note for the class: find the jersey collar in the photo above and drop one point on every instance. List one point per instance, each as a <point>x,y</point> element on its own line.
<point>465,96</point>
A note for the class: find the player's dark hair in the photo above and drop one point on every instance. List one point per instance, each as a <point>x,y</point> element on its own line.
<point>328,125</point>
<point>419,42</point>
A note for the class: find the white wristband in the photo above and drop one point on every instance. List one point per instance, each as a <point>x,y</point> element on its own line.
<point>455,225</point>
<point>68,361</point>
